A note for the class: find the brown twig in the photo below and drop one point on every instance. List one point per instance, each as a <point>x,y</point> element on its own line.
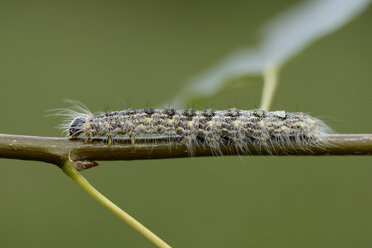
<point>70,155</point>
<point>57,150</point>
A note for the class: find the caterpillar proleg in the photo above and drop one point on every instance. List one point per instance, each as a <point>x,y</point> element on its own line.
<point>209,128</point>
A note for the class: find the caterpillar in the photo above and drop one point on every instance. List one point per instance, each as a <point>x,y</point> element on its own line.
<point>209,128</point>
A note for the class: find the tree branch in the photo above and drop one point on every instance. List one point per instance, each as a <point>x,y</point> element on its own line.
<point>70,155</point>
<point>57,150</point>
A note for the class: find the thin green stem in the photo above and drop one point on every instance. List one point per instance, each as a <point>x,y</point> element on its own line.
<point>271,75</point>
<point>70,171</point>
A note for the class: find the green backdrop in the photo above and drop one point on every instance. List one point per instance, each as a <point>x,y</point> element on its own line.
<point>120,54</point>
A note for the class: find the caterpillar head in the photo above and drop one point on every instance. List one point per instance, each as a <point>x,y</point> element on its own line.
<point>77,126</point>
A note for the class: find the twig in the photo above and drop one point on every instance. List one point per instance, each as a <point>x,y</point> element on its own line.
<point>57,150</point>
<point>70,171</point>
<point>61,151</point>
<point>71,155</point>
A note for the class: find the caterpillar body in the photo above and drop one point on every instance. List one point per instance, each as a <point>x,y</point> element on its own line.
<point>210,128</point>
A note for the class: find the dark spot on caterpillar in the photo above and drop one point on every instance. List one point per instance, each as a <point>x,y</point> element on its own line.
<point>208,113</point>
<point>258,113</point>
<point>233,112</point>
<point>189,112</point>
<point>130,112</point>
<point>170,111</point>
<point>148,111</point>
<point>76,126</point>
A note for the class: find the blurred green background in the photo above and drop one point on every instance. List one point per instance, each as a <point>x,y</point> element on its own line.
<point>131,53</point>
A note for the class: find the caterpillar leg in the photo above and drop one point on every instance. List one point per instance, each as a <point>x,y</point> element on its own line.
<point>87,138</point>
<point>109,141</point>
<point>132,140</point>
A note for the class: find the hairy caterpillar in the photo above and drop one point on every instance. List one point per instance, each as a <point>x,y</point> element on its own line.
<point>207,128</point>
